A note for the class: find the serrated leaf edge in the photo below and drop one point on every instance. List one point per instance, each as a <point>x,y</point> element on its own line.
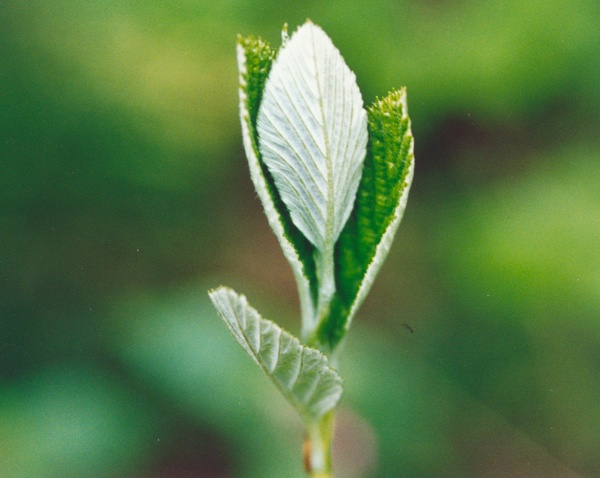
<point>260,184</point>
<point>313,133</point>
<point>250,323</point>
<point>384,246</point>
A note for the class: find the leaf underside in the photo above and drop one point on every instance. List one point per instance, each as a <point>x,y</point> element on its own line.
<point>255,58</point>
<point>301,373</point>
<point>380,202</point>
<point>313,134</point>
<point>377,210</point>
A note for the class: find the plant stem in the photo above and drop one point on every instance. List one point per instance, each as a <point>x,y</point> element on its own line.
<point>318,447</point>
<point>326,275</point>
<point>326,279</point>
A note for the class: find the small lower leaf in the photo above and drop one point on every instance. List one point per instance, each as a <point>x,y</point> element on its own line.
<point>301,373</point>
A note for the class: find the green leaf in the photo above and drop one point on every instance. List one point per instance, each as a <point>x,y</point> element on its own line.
<point>380,202</point>
<point>313,133</point>
<point>255,58</point>
<point>301,373</point>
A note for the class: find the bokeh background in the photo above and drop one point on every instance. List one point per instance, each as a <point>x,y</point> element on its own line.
<point>125,195</point>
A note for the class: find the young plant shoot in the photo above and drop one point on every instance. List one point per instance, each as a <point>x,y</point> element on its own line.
<point>334,180</point>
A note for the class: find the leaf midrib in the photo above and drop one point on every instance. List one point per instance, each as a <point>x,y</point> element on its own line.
<point>329,220</point>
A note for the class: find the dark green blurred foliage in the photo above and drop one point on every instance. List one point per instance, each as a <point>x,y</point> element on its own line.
<point>124,195</point>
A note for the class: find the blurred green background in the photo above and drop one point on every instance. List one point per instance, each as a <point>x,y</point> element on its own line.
<point>125,195</point>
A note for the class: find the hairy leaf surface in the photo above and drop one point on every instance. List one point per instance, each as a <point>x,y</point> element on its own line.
<point>301,373</point>
<point>255,58</point>
<point>313,134</point>
<point>380,202</point>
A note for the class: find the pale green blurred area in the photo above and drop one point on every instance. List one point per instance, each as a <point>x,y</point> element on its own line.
<point>124,196</point>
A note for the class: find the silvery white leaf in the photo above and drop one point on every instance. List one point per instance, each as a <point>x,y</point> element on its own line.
<point>301,373</point>
<point>313,134</point>
<point>250,78</point>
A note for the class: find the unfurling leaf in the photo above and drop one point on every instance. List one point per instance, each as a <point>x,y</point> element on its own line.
<point>312,132</point>
<point>301,373</point>
<point>255,58</point>
<point>380,202</point>
<point>333,180</point>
